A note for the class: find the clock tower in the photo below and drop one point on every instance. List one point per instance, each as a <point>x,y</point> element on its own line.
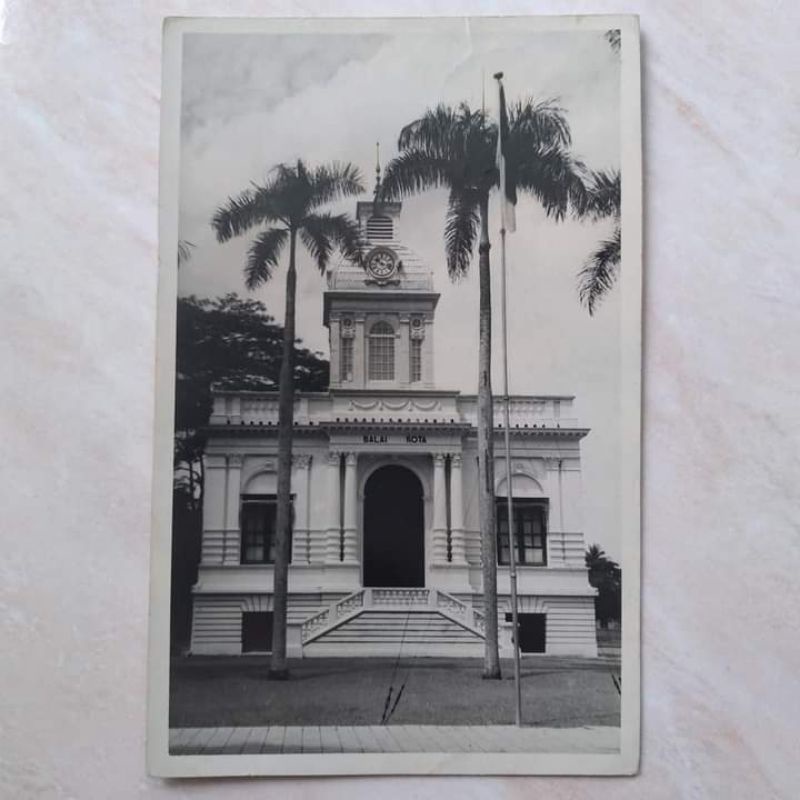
<point>380,315</point>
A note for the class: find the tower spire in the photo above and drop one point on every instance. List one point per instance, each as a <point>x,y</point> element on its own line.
<point>377,169</point>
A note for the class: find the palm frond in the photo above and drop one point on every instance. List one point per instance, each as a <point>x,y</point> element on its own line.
<point>253,206</point>
<point>554,177</point>
<point>185,248</point>
<point>321,233</point>
<point>460,233</point>
<point>332,181</point>
<point>600,272</point>
<point>602,197</point>
<point>540,124</point>
<point>435,132</point>
<point>262,257</point>
<point>414,171</point>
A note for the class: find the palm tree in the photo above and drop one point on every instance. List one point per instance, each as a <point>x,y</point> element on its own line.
<point>605,576</point>
<point>287,203</point>
<point>455,148</point>
<point>600,272</point>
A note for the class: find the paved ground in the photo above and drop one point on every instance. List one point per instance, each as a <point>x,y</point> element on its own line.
<point>223,692</point>
<point>391,739</point>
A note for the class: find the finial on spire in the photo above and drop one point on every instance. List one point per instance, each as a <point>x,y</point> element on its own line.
<point>377,169</point>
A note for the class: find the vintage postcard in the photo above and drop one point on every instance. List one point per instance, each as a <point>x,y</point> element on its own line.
<point>396,515</point>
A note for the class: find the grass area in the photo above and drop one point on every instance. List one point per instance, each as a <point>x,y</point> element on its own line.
<point>223,691</point>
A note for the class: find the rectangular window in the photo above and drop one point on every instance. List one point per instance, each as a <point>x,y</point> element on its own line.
<point>530,531</point>
<point>258,518</point>
<point>416,360</point>
<point>346,362</point>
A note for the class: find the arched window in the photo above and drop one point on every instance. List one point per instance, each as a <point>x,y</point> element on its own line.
<point>381,352</point>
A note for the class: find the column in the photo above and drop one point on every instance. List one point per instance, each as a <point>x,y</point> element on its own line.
<point>233,489</point>
<point>439,511</point>
<point>333,538</point>
<point>350,509</point>
<point>301,486</point>
<point>458,547</point>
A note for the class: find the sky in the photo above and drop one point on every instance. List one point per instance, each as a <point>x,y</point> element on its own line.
<point>252,101</point>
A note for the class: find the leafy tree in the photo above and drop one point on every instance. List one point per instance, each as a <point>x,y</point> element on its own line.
<point>605,575</point>
<point>286,206</point>
<point>232,343</point>
<point>455,148</point>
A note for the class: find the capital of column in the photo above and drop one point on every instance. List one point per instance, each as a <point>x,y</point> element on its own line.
<point>350,459</point>
<point>334,457</point>
<point>235,461</point>
<point>438,460</point>
<point>302,462</point>
<point>455,460</point>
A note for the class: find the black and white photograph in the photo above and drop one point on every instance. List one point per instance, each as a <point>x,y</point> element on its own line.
<point>396,517</point>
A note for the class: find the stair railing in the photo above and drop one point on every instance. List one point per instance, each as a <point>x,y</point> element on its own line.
<point>330,615</point>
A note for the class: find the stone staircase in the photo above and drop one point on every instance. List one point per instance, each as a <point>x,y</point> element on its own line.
<point>392,622</point>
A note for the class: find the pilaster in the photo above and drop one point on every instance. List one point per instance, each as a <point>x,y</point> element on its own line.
<point>458,550</point>
<point>233,488</point>
<point>439,511</point>
<point>301,484</point>
<point>334,532</point>
<point>350,548</point>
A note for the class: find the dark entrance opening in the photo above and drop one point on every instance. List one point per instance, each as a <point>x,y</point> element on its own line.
<point>256,631</point>
<point>394,539</point>
<point>532,632</point>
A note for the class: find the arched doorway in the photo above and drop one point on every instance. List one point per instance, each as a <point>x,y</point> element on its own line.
<point>394,537</point>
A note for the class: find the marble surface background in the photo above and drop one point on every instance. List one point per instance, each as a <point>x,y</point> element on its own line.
<point>721,555</point>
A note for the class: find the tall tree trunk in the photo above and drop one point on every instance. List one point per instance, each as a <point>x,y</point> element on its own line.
<point>278,666</point>
<point>491,659</point>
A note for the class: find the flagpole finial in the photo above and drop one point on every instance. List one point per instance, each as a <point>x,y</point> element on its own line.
<point>498,76</point>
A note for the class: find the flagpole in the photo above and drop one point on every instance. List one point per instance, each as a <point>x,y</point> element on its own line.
<point>512,557</point>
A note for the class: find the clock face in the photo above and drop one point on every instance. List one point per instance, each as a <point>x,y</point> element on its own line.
<point>381,264</point>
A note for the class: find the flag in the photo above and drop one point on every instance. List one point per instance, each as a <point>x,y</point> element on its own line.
<point>508,189</point>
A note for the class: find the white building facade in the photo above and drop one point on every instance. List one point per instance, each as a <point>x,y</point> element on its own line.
<point>386,546</point>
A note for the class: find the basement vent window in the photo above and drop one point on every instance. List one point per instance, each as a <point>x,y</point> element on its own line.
<point>256,631</point>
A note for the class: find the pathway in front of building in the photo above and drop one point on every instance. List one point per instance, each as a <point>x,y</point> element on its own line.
<point>392,739</point>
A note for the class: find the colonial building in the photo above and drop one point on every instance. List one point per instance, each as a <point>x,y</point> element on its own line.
<point>386,549</point>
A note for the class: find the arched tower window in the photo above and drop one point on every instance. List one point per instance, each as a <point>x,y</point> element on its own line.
<point>379,227</point>
<point>381,352</point>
